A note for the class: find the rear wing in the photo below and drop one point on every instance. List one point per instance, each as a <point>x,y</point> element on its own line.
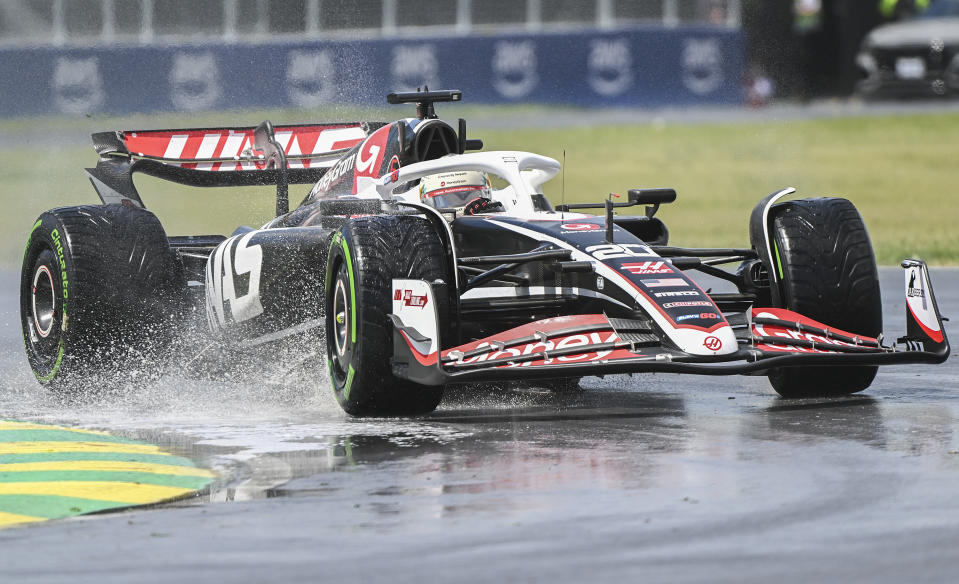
<point>219,157</point>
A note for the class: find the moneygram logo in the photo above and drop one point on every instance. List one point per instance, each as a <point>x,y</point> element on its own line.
<point>581,227</point>
<point>687,303</point>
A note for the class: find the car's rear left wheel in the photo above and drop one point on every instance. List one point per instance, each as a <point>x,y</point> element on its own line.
<point>99,295</point>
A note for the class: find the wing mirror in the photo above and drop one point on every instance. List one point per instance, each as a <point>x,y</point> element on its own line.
<point>654,197</point>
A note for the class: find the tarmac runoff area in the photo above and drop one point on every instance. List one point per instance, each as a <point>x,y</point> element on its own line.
<point>51,472</point>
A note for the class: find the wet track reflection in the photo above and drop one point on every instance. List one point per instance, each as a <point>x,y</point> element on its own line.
<point>668,477</point>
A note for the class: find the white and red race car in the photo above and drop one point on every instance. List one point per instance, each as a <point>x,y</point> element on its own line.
<point>423,262</point>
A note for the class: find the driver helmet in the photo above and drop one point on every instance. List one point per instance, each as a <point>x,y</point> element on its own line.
<point>452,190</point>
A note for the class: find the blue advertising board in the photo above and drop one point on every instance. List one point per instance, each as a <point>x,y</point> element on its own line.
<point>625,67</point>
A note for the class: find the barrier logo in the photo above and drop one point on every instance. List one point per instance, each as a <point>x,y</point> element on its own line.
<point>702,65</point>
<point>77,85</point>
<point>194,81</point>
<point>514,68</point>
<point>414,66</point>
<point>610,66</point>
<point>311,77</point>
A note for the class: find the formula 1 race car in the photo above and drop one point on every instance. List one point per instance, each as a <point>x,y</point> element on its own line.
<point>425,262</point>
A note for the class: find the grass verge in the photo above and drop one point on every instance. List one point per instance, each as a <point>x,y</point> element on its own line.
<point>898,170</point>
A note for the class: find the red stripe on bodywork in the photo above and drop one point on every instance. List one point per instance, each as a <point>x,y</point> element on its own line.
<point>793,333</point>
<point>546,326</point>
<point>934,335</point>
<point>154,143</point>
<point>424,360</point>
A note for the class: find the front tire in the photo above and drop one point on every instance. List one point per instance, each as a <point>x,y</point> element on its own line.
<point>827,269</point>
<point>365,255</point>
<point>99,293</point>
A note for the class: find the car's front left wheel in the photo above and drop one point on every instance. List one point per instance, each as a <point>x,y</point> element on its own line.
<point>365,256</point>
<point>827,271</point>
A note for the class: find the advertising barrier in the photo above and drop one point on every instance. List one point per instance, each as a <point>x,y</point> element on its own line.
<point>624,67</point>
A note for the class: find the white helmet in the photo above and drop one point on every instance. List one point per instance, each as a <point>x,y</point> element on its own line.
<point>452,190</point>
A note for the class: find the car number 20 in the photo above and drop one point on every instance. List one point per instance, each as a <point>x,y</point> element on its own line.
<point>610,251</point>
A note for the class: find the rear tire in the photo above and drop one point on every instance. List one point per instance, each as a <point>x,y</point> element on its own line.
<point>100,292</point>
<point>365,255</point>
<point>827,269</point>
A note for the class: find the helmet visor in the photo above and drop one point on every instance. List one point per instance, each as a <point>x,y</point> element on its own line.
<point>457,196</point>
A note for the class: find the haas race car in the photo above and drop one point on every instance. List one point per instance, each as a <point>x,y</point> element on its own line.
<point>424,261</point>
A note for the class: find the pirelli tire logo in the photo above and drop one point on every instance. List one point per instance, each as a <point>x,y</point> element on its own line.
<point>675,293</point>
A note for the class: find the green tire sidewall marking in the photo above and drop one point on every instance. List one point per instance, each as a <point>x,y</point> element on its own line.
<point>30,238</point>
<point>779,263</point>
<point>353,319</point>
<point>59,361</point>
<point>334,241</point>
<point>349,383</point>
<point>330,274</point>
<point>349,267</point>
<point>338,239</point>
<point>64,283</point>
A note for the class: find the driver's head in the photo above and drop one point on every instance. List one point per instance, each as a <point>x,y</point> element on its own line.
<point>451,190</point>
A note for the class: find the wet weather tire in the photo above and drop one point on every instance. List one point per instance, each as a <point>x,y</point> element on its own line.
<point>365,256</point>
<point>99,294</point>
<point>825,261</point>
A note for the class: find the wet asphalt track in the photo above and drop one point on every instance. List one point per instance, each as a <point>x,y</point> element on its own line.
<point>659,478</point>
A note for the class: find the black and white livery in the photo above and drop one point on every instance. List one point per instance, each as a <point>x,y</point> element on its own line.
<point>424,260</point>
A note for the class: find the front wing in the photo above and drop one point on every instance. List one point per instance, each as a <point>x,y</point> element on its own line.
<point>594,344</point>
